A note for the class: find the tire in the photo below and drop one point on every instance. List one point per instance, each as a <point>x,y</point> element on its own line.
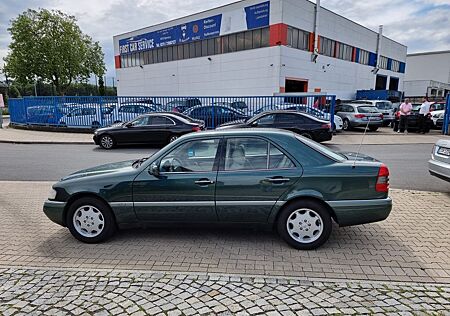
<point>346,125</point>
<point>107,141</point>
<point>86,213</point>
<point>307,135</point>
<point>172,138</point>
<point>308,210</point>
<point>373,128</point>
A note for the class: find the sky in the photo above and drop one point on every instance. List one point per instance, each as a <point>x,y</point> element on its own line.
<point>420,25</point>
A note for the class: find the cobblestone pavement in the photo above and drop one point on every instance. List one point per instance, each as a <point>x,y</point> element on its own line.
<point>35,292</point>
<point>412,245</point>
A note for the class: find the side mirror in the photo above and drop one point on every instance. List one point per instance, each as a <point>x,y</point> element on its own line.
<point>154,169</point>
<point>129,124</point>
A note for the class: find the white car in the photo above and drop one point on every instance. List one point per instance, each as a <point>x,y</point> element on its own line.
<point>435,115</point>
<point>93,116</point>
<point>439,164</point>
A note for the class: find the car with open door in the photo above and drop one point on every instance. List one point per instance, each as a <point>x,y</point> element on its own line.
<point>298,122</point>
<point>151,129</point>
<point>268,177</point>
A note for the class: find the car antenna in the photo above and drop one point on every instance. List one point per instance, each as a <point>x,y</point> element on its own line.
<point>360,144</point>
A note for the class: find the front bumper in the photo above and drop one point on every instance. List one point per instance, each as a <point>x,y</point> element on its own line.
<point>96,139</point>
<point>355,212</point>
<point>439,169</point>
<point>55,211</point>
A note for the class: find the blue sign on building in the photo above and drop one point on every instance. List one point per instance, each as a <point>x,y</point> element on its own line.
<point>256,16</point>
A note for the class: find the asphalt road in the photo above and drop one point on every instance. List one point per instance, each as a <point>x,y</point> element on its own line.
<point>407,163</point>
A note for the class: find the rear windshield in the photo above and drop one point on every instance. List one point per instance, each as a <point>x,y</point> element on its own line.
<point>367,109</point>
<point>384,105</point>
<point>321,148</point>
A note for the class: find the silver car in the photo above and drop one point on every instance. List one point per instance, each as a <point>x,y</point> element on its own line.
<point>439,164</point>
<point>359,115</point>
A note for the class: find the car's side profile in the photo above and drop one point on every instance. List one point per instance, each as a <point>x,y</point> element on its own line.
<point>154,128</point>
<point>253,176</point>
<point>359,115</point>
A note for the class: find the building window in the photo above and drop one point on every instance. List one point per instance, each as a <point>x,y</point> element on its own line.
<point>383,62</point>
<point>363,57</point>
<point>344,51</point>
<point>395,65</point>
<point>240,41</point>
<point>232,43</point>
<point>326,46</point>
<point>248,40</point>
<point>297,38</point>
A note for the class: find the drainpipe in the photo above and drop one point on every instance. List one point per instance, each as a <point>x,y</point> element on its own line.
<point>315,53</point>
<point>380,36</point>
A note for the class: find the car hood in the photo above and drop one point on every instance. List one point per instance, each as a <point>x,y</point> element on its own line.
<point>110,168</point>
<point>359,156</point>
<point>109,128</point>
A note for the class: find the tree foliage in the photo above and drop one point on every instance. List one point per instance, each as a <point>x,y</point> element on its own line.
<point>49,45</point>
<point>101,86</point>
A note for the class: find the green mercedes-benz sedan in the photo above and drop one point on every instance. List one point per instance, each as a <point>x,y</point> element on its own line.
<point>252,176</point>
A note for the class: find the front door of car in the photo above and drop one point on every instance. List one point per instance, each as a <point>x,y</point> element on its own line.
<point>182,189</point>
<point>252,176</point>
<point>133,132</point>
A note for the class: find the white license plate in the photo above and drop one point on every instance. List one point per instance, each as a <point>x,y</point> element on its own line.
<point>444,151</point>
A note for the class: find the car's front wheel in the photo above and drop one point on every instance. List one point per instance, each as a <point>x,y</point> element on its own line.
<point>106,141</point>
<point>346,125</point>
<point>90,220</point>
<point>305,224</point>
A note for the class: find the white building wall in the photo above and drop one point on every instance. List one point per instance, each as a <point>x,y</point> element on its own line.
<point>428,66</point>
<point>241,73</point>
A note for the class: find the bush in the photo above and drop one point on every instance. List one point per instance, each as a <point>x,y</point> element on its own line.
<point>5,111</point>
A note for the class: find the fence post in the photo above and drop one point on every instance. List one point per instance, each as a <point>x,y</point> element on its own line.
<point>446,125</point>
<point>213,110</point>
<point>332,105</point>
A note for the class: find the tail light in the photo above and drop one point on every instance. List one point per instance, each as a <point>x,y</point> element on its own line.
<point>359,115</point>
<point>382,184</point>
<point>328,125</point>
<point>381,116</point>
<point>196,128</point>
<point>397,114</point>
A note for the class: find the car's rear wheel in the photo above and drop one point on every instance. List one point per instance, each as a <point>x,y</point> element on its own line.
<point>305,224</point>
<point>107,141</point>
<point>90,220</point>
<point>346,125</point>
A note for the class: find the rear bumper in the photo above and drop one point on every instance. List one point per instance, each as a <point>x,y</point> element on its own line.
<point>357,123</point>
<point>55,211</point>
<point>439,169</point>
<point>355,212</point>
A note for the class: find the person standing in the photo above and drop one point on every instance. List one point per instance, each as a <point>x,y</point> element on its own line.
<point>423,114</point>
<point>405,112</point>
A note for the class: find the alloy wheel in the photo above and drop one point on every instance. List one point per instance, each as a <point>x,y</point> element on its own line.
<point>304,225</point>
<point>173,138</point>
<point>88,221</point>
<point>107,142</point>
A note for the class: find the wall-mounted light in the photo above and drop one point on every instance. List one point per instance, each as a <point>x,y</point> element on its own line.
<point>142,67</point>
<point>271,65</point>
<point>209,58</point>
<point>375,70</point>
<point>173,75</point>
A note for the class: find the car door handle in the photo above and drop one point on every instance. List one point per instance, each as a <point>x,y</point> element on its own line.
<point>278,180</point>
<point>204,182</point>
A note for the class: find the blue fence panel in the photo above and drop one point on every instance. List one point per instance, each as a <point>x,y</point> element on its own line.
<point>446,123</point>
<point>96,111</point>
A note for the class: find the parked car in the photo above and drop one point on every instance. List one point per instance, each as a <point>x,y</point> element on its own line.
<point>215,115</point>
<point>154,128</point>
<point>92,116</point>
<point>437,106</point>
<point>182,105</point>
<point>434,116</point>
<point>439,164</point>
<point>384,106</point>
<point>200,123</point>
<point>413,120</point>
<point>43,114</point>
<point>359,115</point>
<point>239,105</point>
<point>129,111</point>
<point>297,122</point>
<point>247,176</point>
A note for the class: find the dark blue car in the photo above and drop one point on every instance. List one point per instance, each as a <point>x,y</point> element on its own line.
<point>215,115</point>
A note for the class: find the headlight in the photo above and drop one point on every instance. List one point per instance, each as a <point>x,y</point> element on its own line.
<point>52,194</point>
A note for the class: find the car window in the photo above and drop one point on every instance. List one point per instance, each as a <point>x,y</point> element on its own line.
<point>88,111</point>
<point>278,160</point>
<point>384,105</point>
<point>286,118</point>
<point>126,109</point>
<point>193,156</point>
<point>367,109</point>
<point>266,120</point>
<point>160,120</point>
<point>143,109</point>
<point>140,121</point>
<point>200,111</point>
<point>246,153</point>
<point>76,112</point>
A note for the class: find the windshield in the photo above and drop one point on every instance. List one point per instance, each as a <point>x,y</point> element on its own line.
<point>322,149</point>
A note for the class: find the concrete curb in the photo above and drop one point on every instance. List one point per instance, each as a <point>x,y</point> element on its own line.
<point>44,142</point>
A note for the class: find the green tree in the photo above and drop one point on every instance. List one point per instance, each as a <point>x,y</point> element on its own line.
<point>101,86</point>
<point>49,45</point>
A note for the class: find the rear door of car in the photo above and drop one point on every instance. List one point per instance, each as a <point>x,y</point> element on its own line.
<point>253,174</point>
<point>292,122</point>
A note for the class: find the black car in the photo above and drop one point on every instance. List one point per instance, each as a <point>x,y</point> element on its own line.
<point>154,128</point>
<point>298,122</point>
<point>200,123</point>
<point>215,115</point>
<point>182,105</point>
<point>413,120</point>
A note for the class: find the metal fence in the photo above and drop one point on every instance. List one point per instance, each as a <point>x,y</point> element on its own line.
<point>94,112</point>
<point>446,117</point>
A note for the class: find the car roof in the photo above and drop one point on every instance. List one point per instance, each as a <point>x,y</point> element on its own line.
<point>265,132</point>
<point>290,111</point>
